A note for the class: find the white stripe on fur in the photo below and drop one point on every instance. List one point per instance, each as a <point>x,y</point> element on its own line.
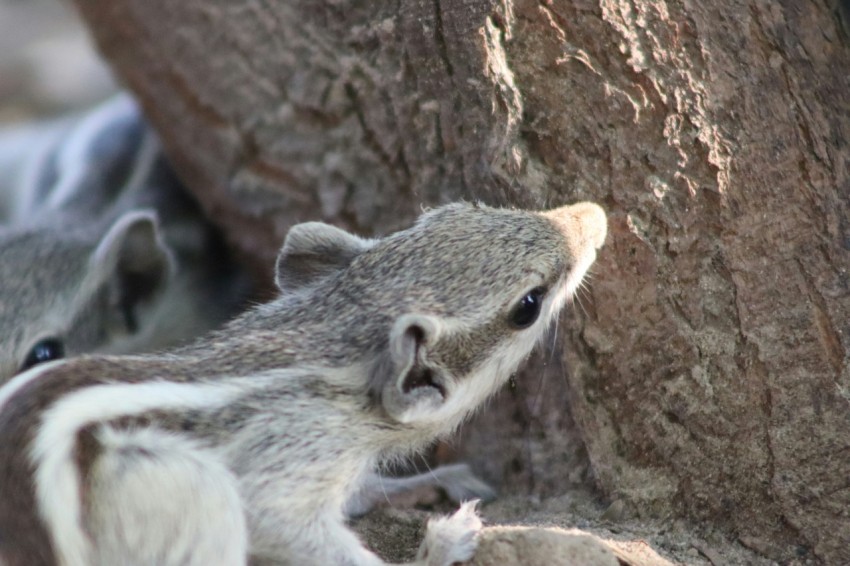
<point>11,387</point>
<point>57,479</point>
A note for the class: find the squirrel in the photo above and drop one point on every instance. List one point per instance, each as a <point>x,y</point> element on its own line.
<point>248,444</point>
<point>102,249</point>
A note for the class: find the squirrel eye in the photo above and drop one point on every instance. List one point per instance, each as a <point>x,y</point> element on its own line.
<point>528,309</point>
<point>44,351</point>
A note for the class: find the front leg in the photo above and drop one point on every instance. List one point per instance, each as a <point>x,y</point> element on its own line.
<point>457,480</point>
<point>327,540</point>
<point>321,542</point>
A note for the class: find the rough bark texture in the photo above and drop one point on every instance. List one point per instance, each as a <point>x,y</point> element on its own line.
<point>707,372</point>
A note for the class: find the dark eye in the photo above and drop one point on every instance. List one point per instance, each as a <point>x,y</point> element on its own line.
<point>528,309</point>
<point>44,351</point>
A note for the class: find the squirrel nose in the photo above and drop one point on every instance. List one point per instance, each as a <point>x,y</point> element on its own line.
<point>584,222</point>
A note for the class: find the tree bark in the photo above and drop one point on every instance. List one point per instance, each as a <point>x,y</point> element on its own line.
<point>705,372</point>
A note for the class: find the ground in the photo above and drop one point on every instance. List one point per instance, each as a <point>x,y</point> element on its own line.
<point>394,532</point>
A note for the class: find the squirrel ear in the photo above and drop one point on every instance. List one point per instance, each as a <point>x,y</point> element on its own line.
<point>413,388</point>
<point>314,250</point>
<point>98,157</point>
<point>133,262</point>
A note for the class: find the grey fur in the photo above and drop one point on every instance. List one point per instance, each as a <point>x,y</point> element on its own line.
<point>101,246</point>
<point>290,408</point>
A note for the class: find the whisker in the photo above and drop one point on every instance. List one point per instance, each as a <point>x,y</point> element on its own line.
<point>578,302</point>
<point>383,489</point>
<point>429,468</point>
<point>554,338</point>
<point>586,295</point>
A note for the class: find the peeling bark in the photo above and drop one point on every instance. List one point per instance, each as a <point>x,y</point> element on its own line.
<point>706,372</point>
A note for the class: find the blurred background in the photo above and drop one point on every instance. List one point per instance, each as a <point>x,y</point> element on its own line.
<point>48,65</point>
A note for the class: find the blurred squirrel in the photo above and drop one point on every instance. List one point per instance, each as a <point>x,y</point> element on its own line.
<point>101,247</point>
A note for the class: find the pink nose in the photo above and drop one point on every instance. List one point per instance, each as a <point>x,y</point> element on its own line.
<point>583,224</point>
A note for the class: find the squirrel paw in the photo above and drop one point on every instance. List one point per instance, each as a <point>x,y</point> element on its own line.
<point>452,539</point>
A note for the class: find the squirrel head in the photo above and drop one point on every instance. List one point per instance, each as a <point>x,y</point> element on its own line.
<point>443,312</point>
<point>63,296</point>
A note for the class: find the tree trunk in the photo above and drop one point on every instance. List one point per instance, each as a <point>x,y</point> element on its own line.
<point>706,371</point>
